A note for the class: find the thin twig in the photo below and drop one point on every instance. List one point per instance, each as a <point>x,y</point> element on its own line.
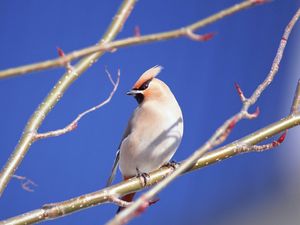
<point>279,141</point>
<point>109,46</point>
<point>240,92</point>
<point>56,93</point>
<point>26,183</point>
<point>73,125</point>
<point>56,210</point>
<point>118,201</point>
<point>130,212</point>
<point>199,37</point>
<point>264,147</point>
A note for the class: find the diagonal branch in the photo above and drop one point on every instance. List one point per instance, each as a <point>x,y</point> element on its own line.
<point>73,125</point>
<point>187,31</point>
<point>132,211</point>
<point>57,92</point>
<point>280,140</point>
<point>60,209</point>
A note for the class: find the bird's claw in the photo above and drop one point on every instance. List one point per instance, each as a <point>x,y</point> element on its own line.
<point>173,164</point>
<point>144,177</point>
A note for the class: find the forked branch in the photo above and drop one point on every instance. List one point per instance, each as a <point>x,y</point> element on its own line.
<point>57,92</point>
<point>73,125</point>
<point>187,31</point>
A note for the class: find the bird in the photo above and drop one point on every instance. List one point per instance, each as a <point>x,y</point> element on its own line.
<point>154,130</point>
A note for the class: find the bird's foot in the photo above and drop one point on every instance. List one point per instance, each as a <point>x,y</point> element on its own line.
<point>144,177</point>
<point>173,164</point>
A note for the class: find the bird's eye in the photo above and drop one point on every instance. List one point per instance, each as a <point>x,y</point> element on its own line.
<point>145,85</point>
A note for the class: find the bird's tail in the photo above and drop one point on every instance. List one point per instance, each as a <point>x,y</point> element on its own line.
<point>127,198</point>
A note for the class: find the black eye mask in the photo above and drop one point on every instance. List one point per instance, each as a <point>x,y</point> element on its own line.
<point>140,97</point>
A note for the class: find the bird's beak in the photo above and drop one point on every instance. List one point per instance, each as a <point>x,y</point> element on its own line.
<point>134,92</point>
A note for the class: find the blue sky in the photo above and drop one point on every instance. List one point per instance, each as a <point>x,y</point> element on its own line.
<point>201,75</point>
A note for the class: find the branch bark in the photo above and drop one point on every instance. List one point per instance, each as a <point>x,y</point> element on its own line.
<point>56,210</point>
<point>57,92</point>
<point>109,46</point>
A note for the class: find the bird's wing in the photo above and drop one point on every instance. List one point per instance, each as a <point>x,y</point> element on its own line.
<point>116,162</point>
<point>114,169</point>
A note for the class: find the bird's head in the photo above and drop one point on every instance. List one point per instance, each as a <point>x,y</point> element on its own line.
<point>148,87</point>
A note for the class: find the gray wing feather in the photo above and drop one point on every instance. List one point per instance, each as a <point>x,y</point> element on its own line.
<point>114,169</point>
<point>116,162</point>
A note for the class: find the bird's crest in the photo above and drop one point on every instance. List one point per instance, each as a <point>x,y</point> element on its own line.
<point>148,75</point>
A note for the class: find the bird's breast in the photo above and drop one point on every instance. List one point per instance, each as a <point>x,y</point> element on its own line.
<point>155,135</point>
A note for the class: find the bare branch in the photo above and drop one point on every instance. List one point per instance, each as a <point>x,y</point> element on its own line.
<point>280,140</point>
<point>57,92</point>
<point>73,125</point>
<point>240,92</point>
<point>118,201</point>
<point>131,211</point>
<point>276,61</point>
<point>109,46</point>
<point>56,210</point>
<point>226,132</point>
<point>198,37</point>
<point>264,147</point>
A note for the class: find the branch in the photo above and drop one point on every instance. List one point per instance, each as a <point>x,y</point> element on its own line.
<point>73,125</point>
<point>261,148</point>
<point>187,31</point>
<point>216,139</point>
<point>56,210</point>
<point>118,201</point>
<point>276,143</point>
<point>26,183</point>
<point>57,92</point>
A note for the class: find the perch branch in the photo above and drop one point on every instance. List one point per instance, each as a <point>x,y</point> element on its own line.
<point>56,93</point>
<point>134,209</point>
<point>56,210</point>
<point>109,46</point>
